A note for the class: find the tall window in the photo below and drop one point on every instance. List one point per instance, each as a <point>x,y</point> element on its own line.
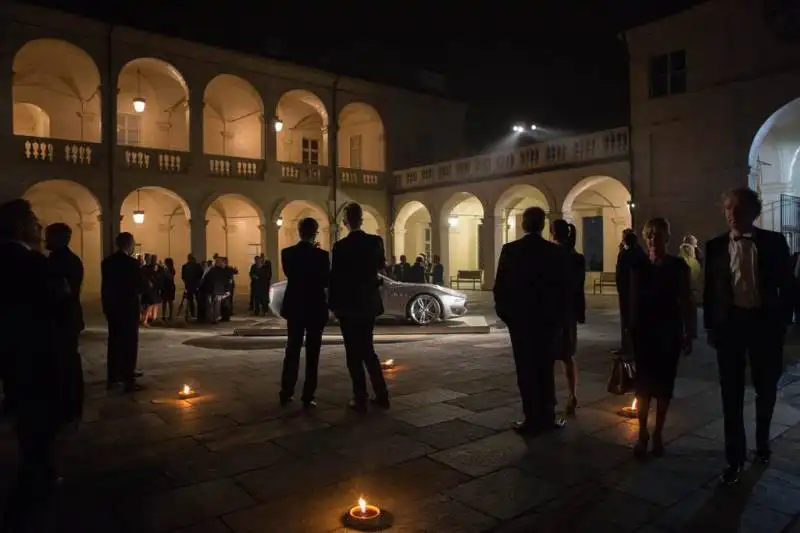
<point>310,151</point>
<point>668,74</point>
<point>355,151</point>
<point>129,129</point>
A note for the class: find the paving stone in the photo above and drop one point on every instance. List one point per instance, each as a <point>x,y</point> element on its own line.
<point>295,477</point>
<point>776,494</point>
<point>658,486</point>
<point>383,451</point>
<point>210,526</point>
<point>483,401</point>
<point>449,434</point>
<point>254,434</point>
<point>426,397</point>
<point>716,430</point>
<point>431,414</point>
<point>485,455</point>
<point>503,494</point>
<point>498,419</point>
<point>169,510</point>
<point>205,465</point>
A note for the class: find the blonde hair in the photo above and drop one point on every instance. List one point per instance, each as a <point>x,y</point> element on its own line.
<point>656,224</point>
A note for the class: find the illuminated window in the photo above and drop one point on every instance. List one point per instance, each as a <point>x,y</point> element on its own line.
<point>129,129</point>
<point>310,152</point>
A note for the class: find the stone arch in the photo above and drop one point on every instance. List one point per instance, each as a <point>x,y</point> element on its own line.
<point>600,208</point>
<point>63,81</point>
<point>287,217</point>
<point>461,217</point>
<point>373,221</point>
<point>235,229</point>
<point>30,120</point>
<point>361,138</point>
<point>413,233</point>
<point>75,205</point>
<point>163,123</point>
<point>162,226</point>
<point>233,118</point>
<point>511,204</point>
<point>303,137</point>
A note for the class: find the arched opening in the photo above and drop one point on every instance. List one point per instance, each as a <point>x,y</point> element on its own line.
<point>510,207</point>
<point>233,118</point>
<point>287,221</point>
<point>152,106</point>
<point>463,215</point>
<point>412,231</point>
<point>234,227</point>
<point>599,206</point>
<point>30,120</point>
<point>74,205</point>
<point>159,221</point>
<point>56,92</point>
<point>361,141</point>
<point>774,172</point>
<point>372,222</point>
<point>303,135</point>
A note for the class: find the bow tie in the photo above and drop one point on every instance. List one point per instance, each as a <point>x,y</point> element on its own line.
<point>742,237</point>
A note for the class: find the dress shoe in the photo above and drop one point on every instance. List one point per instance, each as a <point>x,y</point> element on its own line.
<point>309,404</point>
<point>358,406</point>
<point>523,427</point>
<point>730,476</point>
<point>763,456</point>
<point>381,401</point>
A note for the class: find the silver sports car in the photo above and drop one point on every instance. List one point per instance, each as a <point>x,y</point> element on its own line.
<point>421,303</point>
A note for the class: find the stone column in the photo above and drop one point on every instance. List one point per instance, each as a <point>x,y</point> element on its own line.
<point>488,240</point>
<point>440,244</point>
<point>399,238</point>
<point>196,106</point>
<point>269,233</point>
<point>197,231</point>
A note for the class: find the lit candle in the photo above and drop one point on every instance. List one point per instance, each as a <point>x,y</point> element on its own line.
<point>186,392</point>
<point>389,363</point>
<point>364,511</point>
<point>630,411</point>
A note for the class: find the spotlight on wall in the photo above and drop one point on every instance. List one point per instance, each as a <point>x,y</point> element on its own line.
<point>452,222</point>
<point>139,104</point>
<point>279,222</point>
<point>517,128</point>
<point>533,127</point>
<point>277,124</point>
<point>138,217</point>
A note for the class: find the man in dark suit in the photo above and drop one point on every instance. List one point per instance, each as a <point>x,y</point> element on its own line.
<point>747,304</point>
<point>30,368</point>
<point>629,253</point>
<point>121,295</point>
<point>191,274</point>
<point>305,309</point>
<point>531,292</point>
<point>355,299</point>
<point>64,264</point>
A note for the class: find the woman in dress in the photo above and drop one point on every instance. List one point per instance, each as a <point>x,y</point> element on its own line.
<point>564,235</point>
<point>662,327</point>
<point>167,289</point>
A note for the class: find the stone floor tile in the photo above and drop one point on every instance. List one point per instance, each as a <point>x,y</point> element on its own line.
<point>716,430</point>
<point>294,477</point>
<point>483,401</point>
<point>426,397</point>
<point>785,414</point>
<point>658,486</point>
<point>485,455</point>
<point>440,514</point>
<point>498,419</point>
<point>256,433</point>
<point>165,511</point>
<point>776,494</point>
<point>431,414</point>
<point>206,465</point>
<point>211,526</point>
<point>449,434</point>
<point>503,494</point>
<point>384,451</point>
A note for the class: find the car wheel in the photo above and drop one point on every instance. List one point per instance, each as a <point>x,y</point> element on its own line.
<point>424,309</point>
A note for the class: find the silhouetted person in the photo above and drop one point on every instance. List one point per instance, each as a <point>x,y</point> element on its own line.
<point>32,375</point>
<point>418,273</point>
<point>121,297</point>
<point>629,254</point>
<point>64,264</point>
<point>531,292</point>
<point>355,299</point>
<point>401,270</point>
<point>260,279</point>
<point>214,289</point>
<point>305,309</point>
<point>437,271</point>
<point>747,305</point>
<point>191,274</point>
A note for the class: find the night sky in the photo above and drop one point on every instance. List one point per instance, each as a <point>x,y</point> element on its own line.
<point>558,63</point>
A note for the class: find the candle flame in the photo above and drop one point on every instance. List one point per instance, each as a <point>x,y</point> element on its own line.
<point>362,504</point>
<point>187,389</point>
<point>633,405</point>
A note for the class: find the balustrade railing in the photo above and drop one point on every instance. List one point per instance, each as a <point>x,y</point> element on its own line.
<point>236,167</point>
<point>577,150</point>
<point>356,177</point>
<point>59,151</point>
<point>303,173</point>
<point>152,160</point>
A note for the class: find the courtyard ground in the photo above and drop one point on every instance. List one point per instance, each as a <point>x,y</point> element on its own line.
<point>442,460</point>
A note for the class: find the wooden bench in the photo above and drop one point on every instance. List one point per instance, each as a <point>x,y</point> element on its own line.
<point>468,276</point>
<point>606,278</point>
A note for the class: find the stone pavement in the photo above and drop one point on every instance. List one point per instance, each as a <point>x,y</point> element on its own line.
<point>442,459</point>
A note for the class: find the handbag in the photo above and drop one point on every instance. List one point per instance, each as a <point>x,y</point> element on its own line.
<point>623,374</point>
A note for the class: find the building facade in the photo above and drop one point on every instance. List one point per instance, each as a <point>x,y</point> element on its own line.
<point>193,148</point>
<point>715,104</point>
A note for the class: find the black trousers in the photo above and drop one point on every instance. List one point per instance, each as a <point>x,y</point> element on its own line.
<point>260,300</point>
<point>748,334</point>
<point>226,308</point>
<point>298,330</point>
<point>533,358</point>
<point>357,333</point>
<point>123,348</point>
<point>626,344</point>
<point>191,305</point>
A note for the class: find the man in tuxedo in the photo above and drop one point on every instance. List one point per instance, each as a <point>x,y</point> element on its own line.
<point>305,309</point>
<point>121,292</point>
<point>31,372</point>
<point>747,304</point>
<point>191,274</point>
<point>64,264</point>
<point>531,291</point>
<point>355,299</point>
